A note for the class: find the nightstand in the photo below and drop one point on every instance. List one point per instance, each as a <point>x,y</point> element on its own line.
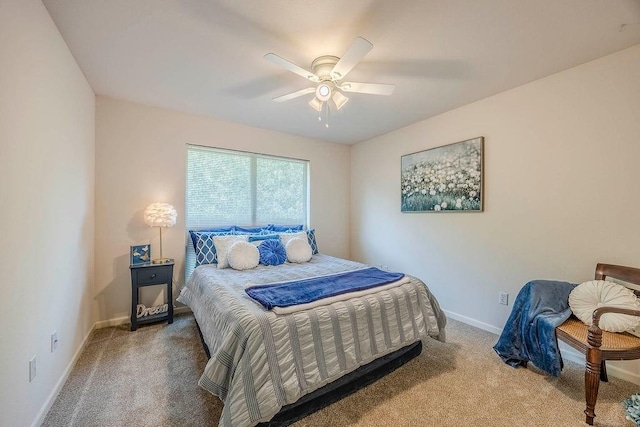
<point>148,275</point>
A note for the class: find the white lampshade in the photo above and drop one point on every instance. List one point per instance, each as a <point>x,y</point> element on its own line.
<point>160,215</point>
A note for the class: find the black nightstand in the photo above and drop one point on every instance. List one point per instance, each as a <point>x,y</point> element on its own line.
<point>147,275</point>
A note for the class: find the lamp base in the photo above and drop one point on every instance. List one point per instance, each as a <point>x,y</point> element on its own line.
<point>162,261</point>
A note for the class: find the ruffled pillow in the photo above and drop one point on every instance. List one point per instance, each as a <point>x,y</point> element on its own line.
<point>588,296</point>
<point>222,244</point>
<point>298,250</point>
<point>243,256</point>
<point>272,252</point>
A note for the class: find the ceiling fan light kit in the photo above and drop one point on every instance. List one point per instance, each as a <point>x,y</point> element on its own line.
<point>339,99</point>
<point>323,92</point>
<point>327,72</point>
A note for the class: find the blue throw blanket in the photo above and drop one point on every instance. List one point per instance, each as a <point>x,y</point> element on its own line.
<point>529,334</point>
<point>304,291</point>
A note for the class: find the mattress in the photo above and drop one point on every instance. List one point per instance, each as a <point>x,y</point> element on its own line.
<point>261,361</point>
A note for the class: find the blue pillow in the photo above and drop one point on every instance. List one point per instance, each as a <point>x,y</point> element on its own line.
<point>249,229</point>
<point>284,228</point>
<point>259,237</point>
<point>311,238</point>
<point>204,247</point>
<point>272,252</point>
<point>223,230</point>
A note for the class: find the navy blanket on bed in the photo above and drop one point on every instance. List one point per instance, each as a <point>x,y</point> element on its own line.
<point>530,332</point>
<point>296,292</point>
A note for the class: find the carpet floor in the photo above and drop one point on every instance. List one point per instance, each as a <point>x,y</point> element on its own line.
<point>149,378</point>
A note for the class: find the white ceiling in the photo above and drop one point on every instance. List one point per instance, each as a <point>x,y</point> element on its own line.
<point>206,56</point>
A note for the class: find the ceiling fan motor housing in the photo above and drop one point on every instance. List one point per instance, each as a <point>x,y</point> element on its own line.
<point>323,65</point>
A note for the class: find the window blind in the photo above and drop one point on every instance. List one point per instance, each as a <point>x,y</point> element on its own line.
<point>225,187</point>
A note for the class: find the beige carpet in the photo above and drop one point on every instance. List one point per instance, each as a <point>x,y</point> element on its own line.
<point>149,378</point>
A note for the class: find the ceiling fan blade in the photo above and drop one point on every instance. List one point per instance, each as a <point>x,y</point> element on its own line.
<point>295,94</point>
<point>352,56</point>
<point>370,88</point>
<point>278,60</point>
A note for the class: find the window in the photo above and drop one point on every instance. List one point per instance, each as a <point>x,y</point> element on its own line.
<point>226,187</point>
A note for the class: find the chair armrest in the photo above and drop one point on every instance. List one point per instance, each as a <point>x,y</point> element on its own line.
<point>598,312</point>
<point>594,335</point>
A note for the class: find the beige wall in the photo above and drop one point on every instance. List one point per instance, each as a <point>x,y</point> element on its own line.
<point>561,190</point>
<point>140,159</point>
<point>47,112</point>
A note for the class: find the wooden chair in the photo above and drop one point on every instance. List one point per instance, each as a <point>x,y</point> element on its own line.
<point>599,346</point>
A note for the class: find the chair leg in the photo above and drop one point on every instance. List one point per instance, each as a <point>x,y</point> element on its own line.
<point>592,382</point>
<point>603,371</point>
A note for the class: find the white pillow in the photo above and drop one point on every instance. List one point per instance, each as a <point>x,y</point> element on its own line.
<point>222,244</point>
<point>298,250</point>
<point>588,296</point>
<point>285,237</point>
<point>243,256</point>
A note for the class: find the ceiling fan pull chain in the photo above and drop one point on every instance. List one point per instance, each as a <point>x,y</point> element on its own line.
<point>327,117</point>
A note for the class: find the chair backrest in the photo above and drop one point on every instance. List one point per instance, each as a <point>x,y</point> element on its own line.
<point>626,274</point>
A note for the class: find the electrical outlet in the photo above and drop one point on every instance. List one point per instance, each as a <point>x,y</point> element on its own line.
<point>32,368</point>
<point>503,298</point>
<point>54,341</point>
<point>384,267</point>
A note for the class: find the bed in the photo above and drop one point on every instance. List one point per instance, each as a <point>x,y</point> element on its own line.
<point>261,362</point>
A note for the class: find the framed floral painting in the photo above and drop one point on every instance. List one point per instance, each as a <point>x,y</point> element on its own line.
<point>443,179</point>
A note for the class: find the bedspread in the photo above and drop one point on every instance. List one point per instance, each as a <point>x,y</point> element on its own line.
<point>261,361</point>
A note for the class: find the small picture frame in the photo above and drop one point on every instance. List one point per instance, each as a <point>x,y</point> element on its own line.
<point>140,254</point>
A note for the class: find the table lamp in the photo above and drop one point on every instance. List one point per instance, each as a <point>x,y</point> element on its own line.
<point>160,215</point>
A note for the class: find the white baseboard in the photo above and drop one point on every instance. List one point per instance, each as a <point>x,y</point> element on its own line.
<point>473,322</point>
<point>61,381</point>
<point>112,322</point>
<point>182,310</point>
<point>568,353</point>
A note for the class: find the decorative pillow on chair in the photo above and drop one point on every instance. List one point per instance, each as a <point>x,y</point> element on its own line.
<point>243,256</point>
<point>588,296</point>
<point>298,250</point>
<point>222,244</point>
<point>272,252</point>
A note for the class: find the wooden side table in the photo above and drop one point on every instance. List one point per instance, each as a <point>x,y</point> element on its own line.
<point>148,275</point>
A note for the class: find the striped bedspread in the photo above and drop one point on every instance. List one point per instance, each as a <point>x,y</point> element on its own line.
<point>261,361</point>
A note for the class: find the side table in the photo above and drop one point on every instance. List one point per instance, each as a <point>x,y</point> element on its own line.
<point>149,274</point>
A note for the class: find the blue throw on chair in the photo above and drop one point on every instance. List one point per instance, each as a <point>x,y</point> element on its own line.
<point>530,332</point>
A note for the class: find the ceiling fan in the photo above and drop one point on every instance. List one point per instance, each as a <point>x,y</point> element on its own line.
<point>328,72</point>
